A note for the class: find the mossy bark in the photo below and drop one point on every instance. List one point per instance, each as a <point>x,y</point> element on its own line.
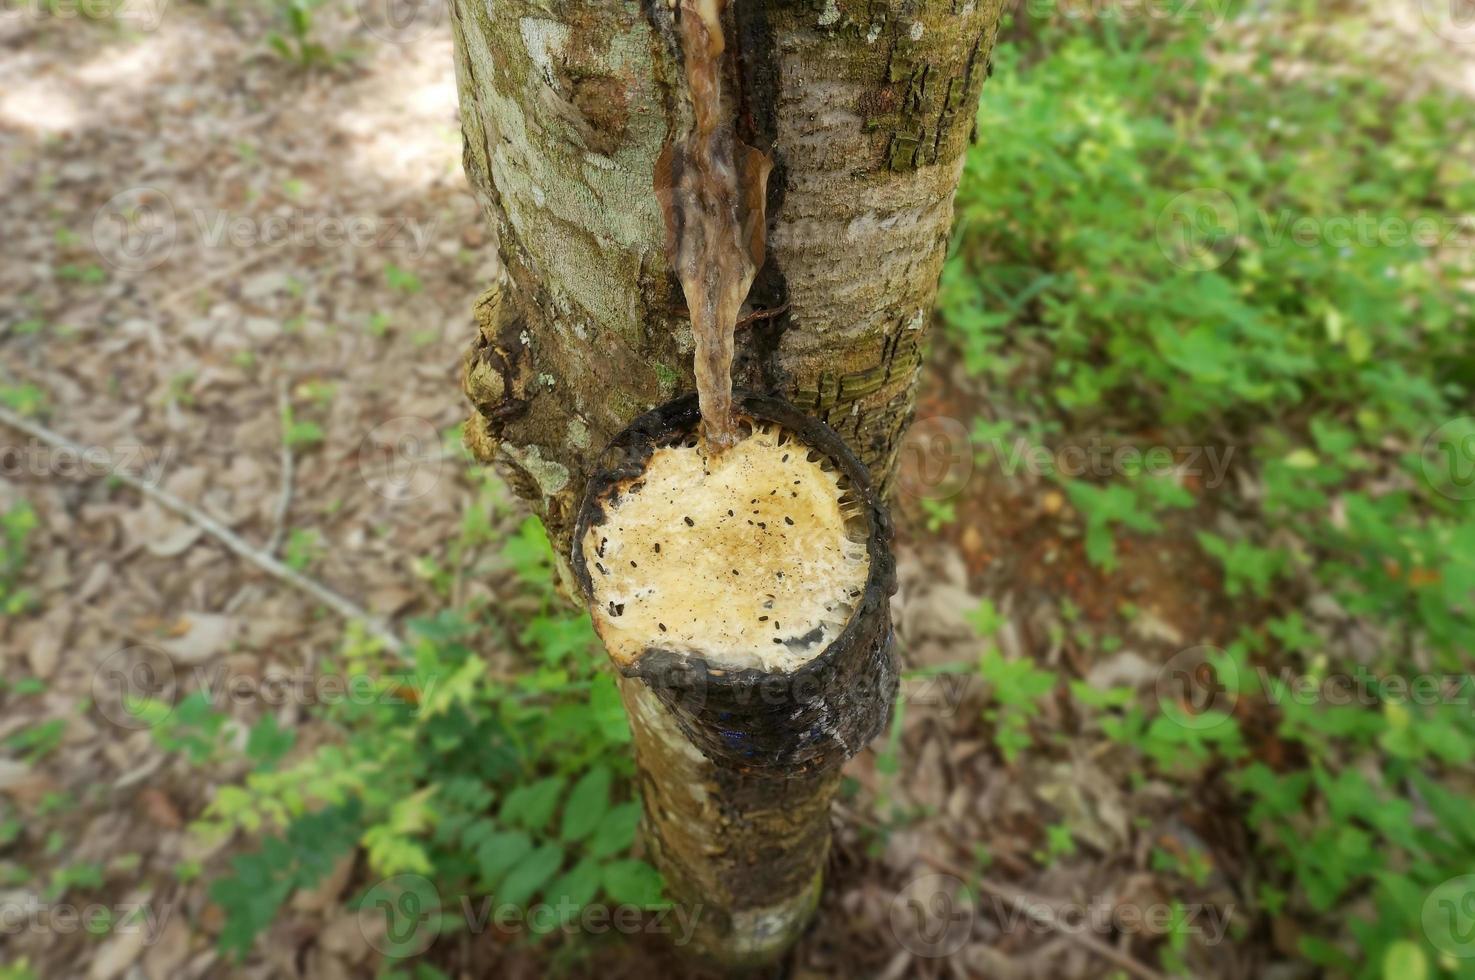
<point>866,107</point>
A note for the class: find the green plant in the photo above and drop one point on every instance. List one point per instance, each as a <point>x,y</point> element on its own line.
<point>90,274</point>
<point>318,391</point>
<point>1060,842</point>
<point>401,280</point>
<point>95,11</point>
<point>16,527</point>
<point>24,686</point>
<point>476,532</point>
<point>38,741</point>
<point>939,513</point>
<point>294,41</point>
<point>27,399</point>
<point>84,875</point>
<point>514,785</point>
<point>1014,686</point>
<point>304,546</point>
<point>1193,865</point>
<point>192,727</point>
<point>55,801</point>
<point>10,828</point>
<point>1133,503</point>
<point>299,434</point>
<point>378,324</point>
<point>99,921</point>
<point>18,970</point>
<point>259,882</point>
<point>179,388</point>
<point>1244,564</point>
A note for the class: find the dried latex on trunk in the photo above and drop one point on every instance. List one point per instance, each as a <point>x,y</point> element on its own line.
<point>712,189</point>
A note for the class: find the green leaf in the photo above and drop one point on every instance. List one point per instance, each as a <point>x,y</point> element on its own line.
<point>586,804</point>
<point>576,887</point>
<point>632,882</point>
<point>529,552</point>
<point>608,710</point>
<point>401,279</point>
<point>532,806</point>
<point>260,881</point>
<point>268,742</point>
<point>616,831</point>
<point>1405,960</point>
<point>26,399</point>
<point>302,434</point>
<point>984,618</point>
<point>530,874</point>
<point>1301,459</point>
<point>556,637</point>
<point>498,852</point>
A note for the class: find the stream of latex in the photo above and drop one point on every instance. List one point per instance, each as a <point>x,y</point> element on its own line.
<point>711,188</point>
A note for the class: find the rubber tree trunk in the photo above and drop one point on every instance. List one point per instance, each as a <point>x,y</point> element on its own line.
<point>866,107</point>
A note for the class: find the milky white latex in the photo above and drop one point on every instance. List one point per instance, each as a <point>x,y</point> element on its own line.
<point>745,560</point>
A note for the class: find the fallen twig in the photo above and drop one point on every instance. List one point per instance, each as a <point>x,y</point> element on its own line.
<point>1033,906</point>
<point>232,541</point>
<point>1030,905</point>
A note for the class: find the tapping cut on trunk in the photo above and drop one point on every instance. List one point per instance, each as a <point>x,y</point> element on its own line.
<point>754,559</point>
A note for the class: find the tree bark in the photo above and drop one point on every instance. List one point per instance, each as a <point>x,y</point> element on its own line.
<point>866,107</point>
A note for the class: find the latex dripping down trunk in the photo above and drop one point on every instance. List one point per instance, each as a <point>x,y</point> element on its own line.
<point>712,190</point>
